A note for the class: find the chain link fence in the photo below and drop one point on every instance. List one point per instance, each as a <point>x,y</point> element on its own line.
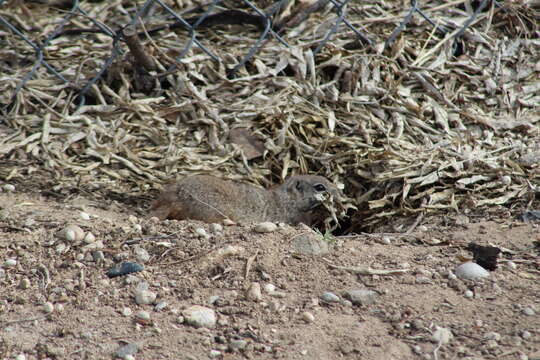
<point>272,22</point>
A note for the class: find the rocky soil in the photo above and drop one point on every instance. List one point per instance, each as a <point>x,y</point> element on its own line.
<point>227,292</point>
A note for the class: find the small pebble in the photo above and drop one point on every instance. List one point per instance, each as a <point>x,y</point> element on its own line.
<point>143,315</point>
<point>8,187</point>
<point>442,335</point>
<point>423,280</point>
<point>511,265</point>
<point>468,294</point>
<point>214,353</point>
<point>236,345</point>
<point>127,350</point>
<point>124,269</point>
<point>213,299</point>
<point>20,357</point>
<point>133,219</point>
<point>98,256</point>
<point>96,245</point>
<point>492,336</point>
<point>141,254</point>
<point>308,317</point>
<point>71,233</point>
<point>329,297</point>
<point>84,215</point>
<point>200,316</point>
<point>269,288</point>
<point>478,323</point>
<point>24,284</point>
<point>145,297</point>
<point>310,244</point>
<point>48,307</point>
<point>126,311</point>
<point>201,232</point>
<point>254,292</point>
<point>10,263</point>
<point>470,271</point>
<point>527,311</point>
<point>216,228</point>
<point>386,240</point>
<point>161,305</point>
<point>265,227</point>
<point>89,238</point>
<point>361,297</point>
<point>60,248</point>
<point>526,335</point>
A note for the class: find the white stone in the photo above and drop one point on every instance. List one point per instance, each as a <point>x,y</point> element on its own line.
<point>141,254</point>
<point>441,335</point>
<point>329,297</point>
<point>10,263</point>
<point>201,233</point>
<point>254,292</point>
<point>527,311</point>
<point>89,238</point>
<point>265,227</point>
<point>511,265</point>
<point>24,284</point>
<point>470,271</point>
<point>48,307</point>
<point>71,233</point>
<point>269,288</point>
<point>84,215</point>
<point>8,187</point>
<point>200,316</point>
<point>386,240</point>
<point>126,311</point>
<point>143,315</point>
<point>362,296</point>
<point>308,317</point>
<point>145,297</point>
<point>216,228</point>
<point>492,336</point>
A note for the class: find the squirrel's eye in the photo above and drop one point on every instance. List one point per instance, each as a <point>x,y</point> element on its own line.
<point>319,187</point>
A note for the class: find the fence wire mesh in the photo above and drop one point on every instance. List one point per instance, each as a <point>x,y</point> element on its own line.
<point>157,17</point>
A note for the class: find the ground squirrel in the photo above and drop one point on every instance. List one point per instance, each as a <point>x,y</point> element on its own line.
<point>211,199</point>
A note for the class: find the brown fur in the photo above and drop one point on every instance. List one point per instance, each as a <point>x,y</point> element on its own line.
<point>211,199</point>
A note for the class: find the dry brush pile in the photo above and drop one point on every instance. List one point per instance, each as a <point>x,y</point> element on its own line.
<point>425,123</point>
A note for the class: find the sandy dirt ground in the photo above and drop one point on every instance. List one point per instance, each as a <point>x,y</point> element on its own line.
<point>57,302</point>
